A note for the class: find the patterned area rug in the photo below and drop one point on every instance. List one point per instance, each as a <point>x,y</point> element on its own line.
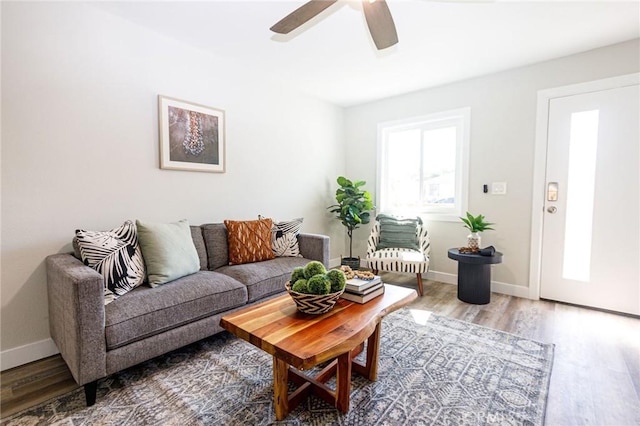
<point>433,371</point>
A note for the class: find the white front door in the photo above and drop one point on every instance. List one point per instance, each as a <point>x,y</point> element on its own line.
<point>591,222</point>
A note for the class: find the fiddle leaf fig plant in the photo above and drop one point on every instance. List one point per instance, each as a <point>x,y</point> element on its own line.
<point>476,224</point>
<point>353,206</point>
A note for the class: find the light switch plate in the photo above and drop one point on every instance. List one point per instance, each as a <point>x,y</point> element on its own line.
<point>498,188</point>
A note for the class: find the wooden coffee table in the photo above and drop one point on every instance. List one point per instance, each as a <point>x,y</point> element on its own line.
<point>300,341</point>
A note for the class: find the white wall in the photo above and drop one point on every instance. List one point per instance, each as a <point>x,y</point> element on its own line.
<point>503,108</point>
<point>80,146</point>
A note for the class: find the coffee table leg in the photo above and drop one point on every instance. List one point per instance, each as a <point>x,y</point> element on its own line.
<point>343,382</point>
<point>280,388</point>
<point>373,349</point>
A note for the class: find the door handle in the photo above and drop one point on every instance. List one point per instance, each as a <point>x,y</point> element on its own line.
<point>552,209</point>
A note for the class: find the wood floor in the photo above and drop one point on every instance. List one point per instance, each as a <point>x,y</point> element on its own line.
<point>596,370</point>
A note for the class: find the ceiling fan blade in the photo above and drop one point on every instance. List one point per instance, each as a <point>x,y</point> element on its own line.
<point>301,15</point>
<point>380,22</point>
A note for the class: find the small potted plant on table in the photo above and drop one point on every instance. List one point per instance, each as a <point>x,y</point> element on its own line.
<point>475,225</point>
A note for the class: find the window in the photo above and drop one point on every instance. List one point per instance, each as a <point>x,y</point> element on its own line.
<point>422,165</point>
<point>581,179</point>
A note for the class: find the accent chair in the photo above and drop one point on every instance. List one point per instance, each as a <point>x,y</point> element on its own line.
<point>398,244</point>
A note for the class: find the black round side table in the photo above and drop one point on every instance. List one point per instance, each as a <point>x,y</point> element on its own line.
<point>474,275</point>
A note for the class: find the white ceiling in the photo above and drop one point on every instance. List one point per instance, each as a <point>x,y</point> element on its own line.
<point>333,57</point>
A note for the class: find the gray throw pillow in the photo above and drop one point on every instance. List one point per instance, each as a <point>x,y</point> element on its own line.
<point>397,232</point>
<point>168,251</point>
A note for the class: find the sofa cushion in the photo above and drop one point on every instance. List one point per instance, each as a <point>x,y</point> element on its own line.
<point>148,311</point>
<point>249,240</point>
<point>168,250</point>
<point>264,278</point>
<point>198,242</point>
<point>116,255</point>
<point>215,239</point>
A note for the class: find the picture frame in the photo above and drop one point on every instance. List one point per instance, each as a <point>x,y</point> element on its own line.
<point>192,136</point>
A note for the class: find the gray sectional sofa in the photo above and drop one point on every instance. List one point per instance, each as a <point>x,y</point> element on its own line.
<point>97,340</point>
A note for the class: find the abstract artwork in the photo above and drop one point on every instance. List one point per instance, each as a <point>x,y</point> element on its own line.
<point>192,137</point>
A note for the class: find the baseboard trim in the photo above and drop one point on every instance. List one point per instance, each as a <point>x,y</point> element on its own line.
<point>442,277</point>
<point>448,278</point>
<point>510,289</point>
<point>496,286</point>
<point>25,354</point>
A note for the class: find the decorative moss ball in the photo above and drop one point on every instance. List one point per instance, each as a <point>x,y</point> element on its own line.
<point>314,268</point>
<point>319,284</point>
<point>337,279</point>
<point>300,286</point>
<point>298,273</point>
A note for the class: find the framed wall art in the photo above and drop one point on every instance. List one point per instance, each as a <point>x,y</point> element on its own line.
<point>192,136</point>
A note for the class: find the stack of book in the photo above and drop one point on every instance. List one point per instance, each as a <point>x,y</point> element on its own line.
<point>361,291</point>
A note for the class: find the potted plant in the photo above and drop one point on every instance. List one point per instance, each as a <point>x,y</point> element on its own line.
<point>352,208</point>
<point>475,225</point>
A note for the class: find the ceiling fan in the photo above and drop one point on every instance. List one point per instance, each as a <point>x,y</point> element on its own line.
<point>376,13</point>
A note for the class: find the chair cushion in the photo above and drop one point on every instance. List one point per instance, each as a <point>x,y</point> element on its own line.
<point>145,311</point>
<point>264,278</point>
<point>396,232</point>
<point>398,260</point>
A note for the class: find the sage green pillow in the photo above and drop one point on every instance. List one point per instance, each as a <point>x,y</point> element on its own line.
<point>397,232</point>
<point>168,251</point>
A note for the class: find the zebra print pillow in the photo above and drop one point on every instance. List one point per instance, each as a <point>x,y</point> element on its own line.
<point>284,238</point>
<point>116,255</point>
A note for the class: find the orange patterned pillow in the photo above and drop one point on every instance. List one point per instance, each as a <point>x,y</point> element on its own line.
<point>249,241</point>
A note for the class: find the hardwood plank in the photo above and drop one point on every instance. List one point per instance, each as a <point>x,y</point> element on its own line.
<point>31,384</point>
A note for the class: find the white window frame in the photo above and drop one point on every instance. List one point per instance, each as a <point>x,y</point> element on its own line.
<point>461,119</point>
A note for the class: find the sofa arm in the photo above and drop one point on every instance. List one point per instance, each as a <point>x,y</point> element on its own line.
<point>314,247</point>
<point>77,316</point>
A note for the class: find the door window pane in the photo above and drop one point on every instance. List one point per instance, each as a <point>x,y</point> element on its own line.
<point>583,144</point>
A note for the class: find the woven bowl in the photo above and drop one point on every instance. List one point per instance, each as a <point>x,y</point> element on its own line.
<point>313,303</point>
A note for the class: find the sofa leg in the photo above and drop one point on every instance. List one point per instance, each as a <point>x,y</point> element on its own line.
<point>90,391</point>
<point>420,292</point>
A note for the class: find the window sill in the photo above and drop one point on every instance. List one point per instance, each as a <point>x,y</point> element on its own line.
<point>440,217</point>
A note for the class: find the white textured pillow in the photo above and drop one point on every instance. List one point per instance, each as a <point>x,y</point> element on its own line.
<point>284,238</point>
<point>116,255</point>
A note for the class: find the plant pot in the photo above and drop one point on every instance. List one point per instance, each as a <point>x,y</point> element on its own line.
<point>352,262</point>
<point>473,240</point>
